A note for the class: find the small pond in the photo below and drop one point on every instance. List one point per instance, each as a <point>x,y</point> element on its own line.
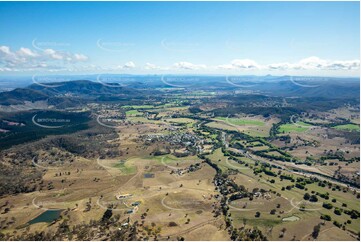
<point>48,216</point>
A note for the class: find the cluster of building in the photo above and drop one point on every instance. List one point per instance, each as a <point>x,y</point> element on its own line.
<point>175,138</point>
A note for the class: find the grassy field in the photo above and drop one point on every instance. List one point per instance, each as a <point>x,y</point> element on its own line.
<point>298,127</point>
<point>175,161</point>
<point>348,127</point>
<point>138,106</point>
<point>126,167</point>
<point>241,122</point>
<point>252,130</point>
<point>221,125</point>
<point>257,133</point>
<point>137,119</point>
<point>133,113</point>
<point>181,120</point>
<point>286,205</point>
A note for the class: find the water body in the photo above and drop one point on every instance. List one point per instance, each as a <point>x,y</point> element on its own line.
<point>48,216</point>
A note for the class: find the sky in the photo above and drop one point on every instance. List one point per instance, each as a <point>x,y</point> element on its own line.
<point>235,38</point>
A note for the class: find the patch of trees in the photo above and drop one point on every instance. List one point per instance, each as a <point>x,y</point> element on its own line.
<point>337,224</point>
<point>31,132</point>
<point>195,109</point>
<point>264,169</point>
<point>338,211</point>
<point>327,205</point>
<point>98,230</point>
<point>316,231</point>
<point>313,198</point>
<point>19,179</point>
<point>107,215</point>
<point>325,217</point>
<point>283,157</point>
<point>214,166</point>
<point>247,234</point>
<point>354,214</point>
<point>287,177</point>
<point>324,195</point>
<point>300,185</point>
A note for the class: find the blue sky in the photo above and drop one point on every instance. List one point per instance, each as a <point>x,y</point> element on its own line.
<point>310,38</point>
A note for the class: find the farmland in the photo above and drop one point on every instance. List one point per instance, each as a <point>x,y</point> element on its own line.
<point>171,170</point>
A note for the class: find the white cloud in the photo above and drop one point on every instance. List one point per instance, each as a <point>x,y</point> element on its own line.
<point>80,57</point>
<point>245,64</point>
<point>26,59</point>
<point>188,66</point>
<point>279,66</point>
<point>240,64</point>
<point>129,65</point>
<point>310,63</point>
<point>316,63</point>
<point>344,65</point>
<point>53,54</point>
<point>57,55</point>
<point>150,66</point>
<point>5,50</point>
<point>25,52</point>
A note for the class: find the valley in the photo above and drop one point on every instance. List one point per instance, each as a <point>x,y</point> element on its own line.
<point>99,162</point>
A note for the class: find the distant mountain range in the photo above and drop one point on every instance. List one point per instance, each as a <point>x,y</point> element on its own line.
<point>70,92</point>
<point>83,88</point>
<point>19,95</point>
<point>60,92</point>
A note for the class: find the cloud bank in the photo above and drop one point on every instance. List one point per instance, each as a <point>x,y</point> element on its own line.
<point>50,60</point>
<point>26,59</point>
